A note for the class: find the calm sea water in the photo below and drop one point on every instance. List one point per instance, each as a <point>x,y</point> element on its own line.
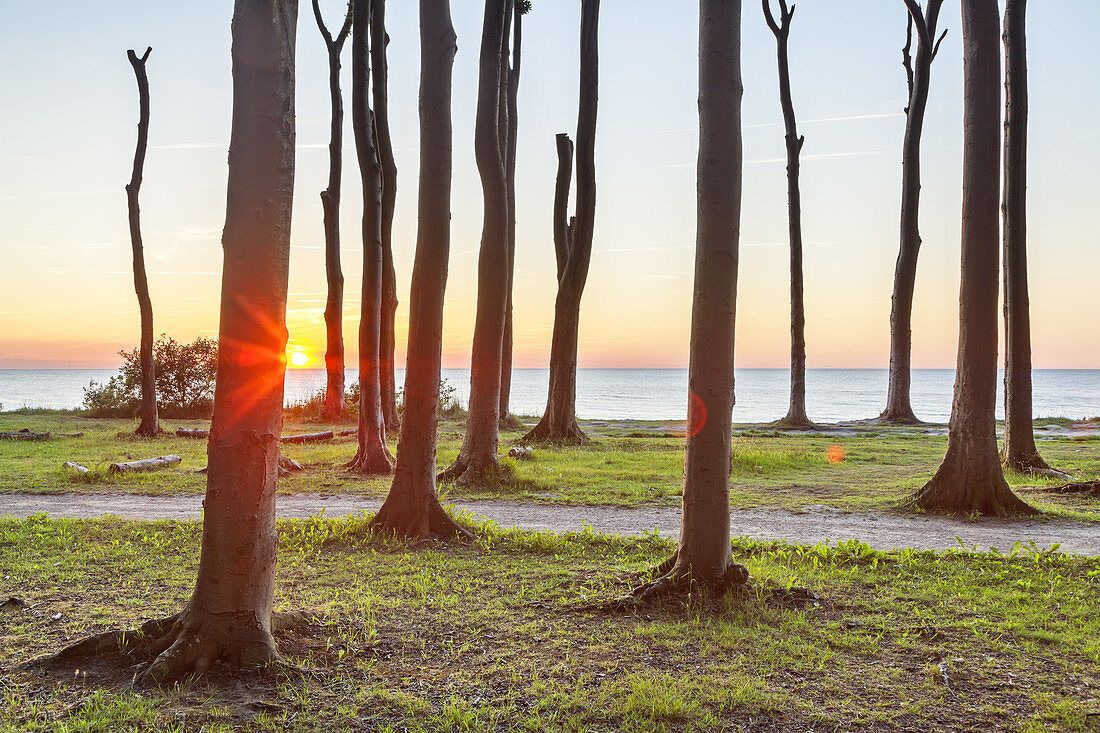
<point>648,394</point>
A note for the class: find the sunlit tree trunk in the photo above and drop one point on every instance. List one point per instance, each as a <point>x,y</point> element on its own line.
<point>412,507</point>
<point>150,424</point>
<point>970,479</point>
<point>510,147</point>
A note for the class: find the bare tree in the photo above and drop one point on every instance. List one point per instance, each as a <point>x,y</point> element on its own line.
<point>796,414</point>
<point>373,456</point>
<point>150,424</point>
<point>477,459</point>
<point>333,407</point>
<point>511,109</point>
<point>970,479</point>
<point>573,246</point>
<point>1020,452</point>
<point>380,41</point>
<point>704,555</point>
<point>918,73</point>
<point>412,507</point>
<point>229,616</point>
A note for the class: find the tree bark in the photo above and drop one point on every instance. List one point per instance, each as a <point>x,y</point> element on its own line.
<point>573,246</point>
<point>380,40</point>
<point>412,506</point>
<point>796,413</point>
<point>511,145</point>
<point>334,408</point>
<point>970,479</point>
<point>229,614</point>
<point>1020,452</point>
<point>704,556</point>
<point>150,424</point>
<point>899,409</point>
<point>477,460</point>
<point>373,456</point>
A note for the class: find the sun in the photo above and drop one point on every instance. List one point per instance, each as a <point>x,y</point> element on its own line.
<point>297,358</point>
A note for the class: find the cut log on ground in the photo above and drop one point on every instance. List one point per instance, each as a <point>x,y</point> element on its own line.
<point>289,464</point>
<point>308,437</point>
<point>24,434</point>
<point>148,464</point>
<point>192,433</point>
<point>353,431</point>
<point>69,435</point>
<point>522,451</point>
<point>76,467</point>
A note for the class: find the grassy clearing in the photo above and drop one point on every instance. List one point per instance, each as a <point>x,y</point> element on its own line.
<point>487,636</point>
<point>627,464</point>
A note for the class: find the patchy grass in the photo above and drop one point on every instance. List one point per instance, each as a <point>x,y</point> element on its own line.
<point>490,636</point>
<point>628,463</point>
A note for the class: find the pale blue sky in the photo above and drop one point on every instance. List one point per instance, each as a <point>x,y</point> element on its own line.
<point>68,109</point>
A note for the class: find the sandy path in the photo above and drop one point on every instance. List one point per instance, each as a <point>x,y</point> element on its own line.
<point>880,530</point>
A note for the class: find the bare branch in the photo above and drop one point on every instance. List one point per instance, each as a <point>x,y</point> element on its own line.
<point>770,18</point>
<point>321,24</point>
<point>917,15</point>
<point>907,58</point>
<point>345,29</point>
<point>936,48</point>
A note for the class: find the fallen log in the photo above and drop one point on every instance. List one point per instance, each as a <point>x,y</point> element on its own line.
<point>353,431</point>
<point>521,451</point>
<point>289,464</point>
<point>308,437</point>
<point>76,467</point>
<point>148,464</point>
<point>70,435</point>
<point>192,433</point>
<point>1089,488</point>
<point>24,434</point>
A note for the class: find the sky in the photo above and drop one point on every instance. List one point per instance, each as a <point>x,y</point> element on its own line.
<point>68,113</point>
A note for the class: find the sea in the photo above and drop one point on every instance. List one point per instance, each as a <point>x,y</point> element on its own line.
<point>648,394</point>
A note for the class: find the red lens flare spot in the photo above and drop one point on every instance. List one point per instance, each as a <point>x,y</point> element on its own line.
<point>697,415</point>
<point>835,454</point>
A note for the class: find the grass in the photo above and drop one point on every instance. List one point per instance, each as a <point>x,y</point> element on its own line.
<point>629,463</point>
<point>493,635</point>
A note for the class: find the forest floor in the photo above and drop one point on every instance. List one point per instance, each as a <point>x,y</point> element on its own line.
<point>523,631</point>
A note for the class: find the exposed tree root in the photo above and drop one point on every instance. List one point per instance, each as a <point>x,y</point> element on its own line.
<point>901,418</point>
<point>547,434</point>
<point>402,518</point>
<point>961,492</point>
<point>185,644</point>
<point>794,423</point>
<point>1090,488</point>
<point>510,422</point>
<point>1033,464</point>
<point>473,472</point>
<point>675,578</point>
<point>371,462</point>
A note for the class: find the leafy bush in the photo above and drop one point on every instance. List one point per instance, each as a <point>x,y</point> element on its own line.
<point>185,376</point>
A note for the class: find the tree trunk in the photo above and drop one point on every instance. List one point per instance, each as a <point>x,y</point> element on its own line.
<point>1020,452</point>
<point>573,246</point>
<point>704,555</point>
<point>412,507</point>
<point>373,456</point>
<point>334,408</point>
<point>796,414</point>
<point>150,424</point>
<point>229,614</point>
<point>970,479</point>
<point>387,339</point>
<point>477,460</point>
<point>511,145</point>
<point>899,409</point>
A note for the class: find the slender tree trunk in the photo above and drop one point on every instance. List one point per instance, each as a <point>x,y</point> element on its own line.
<point>511,146</point>
<point>573,246</point>
<point>477,459</point>
<point>412,507</point>
<point>704,555</point>
<point>899,409</point>
<point>333,408</point>
<point>380,40</point>
<point>970,479</point>
<point>796,413</point>
<point>150,424</point>
<point>1020,452</point>
<point>229,614</point>
<point>373,457</point>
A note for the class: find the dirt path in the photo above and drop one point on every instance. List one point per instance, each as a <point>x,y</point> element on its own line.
<point>880,530</point>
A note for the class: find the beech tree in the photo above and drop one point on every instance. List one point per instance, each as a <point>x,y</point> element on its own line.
<point>796,414</point>
<point>229,616</point>
<point>477,459</point>
<point>412,507</point>
<point>333,407</point>
<point>704,555</point>
<point>150,423</point>
<point>380,41</point>
<point>510,110</point>
<point>970,479</point>
<point>573,246</point>
<point>373,456</point>
<point>1020,452</point>
<point>918,73</point>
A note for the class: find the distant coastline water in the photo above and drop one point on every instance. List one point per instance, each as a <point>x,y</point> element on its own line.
<point>648,394</point>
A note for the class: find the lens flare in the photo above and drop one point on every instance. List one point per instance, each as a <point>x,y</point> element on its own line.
<point>835,454</point>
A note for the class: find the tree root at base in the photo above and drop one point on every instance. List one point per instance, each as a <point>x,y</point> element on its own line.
<point>674,578</point>
<point>418,524</point>
<point>472,473</point>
